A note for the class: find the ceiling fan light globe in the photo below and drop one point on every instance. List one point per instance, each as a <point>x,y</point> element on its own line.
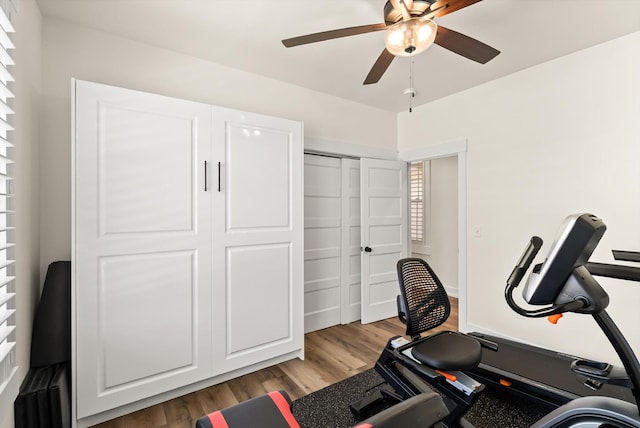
<point>410,37</point>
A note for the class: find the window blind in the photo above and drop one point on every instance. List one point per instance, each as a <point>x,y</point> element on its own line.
<point>8,367</point>
<point>417,201</point>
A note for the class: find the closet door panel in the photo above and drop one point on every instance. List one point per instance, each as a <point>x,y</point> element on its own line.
<point>162,287</point>
<point>141,247</point>
<point>384,208</point>
<point>322,221</point>
<point>351,293</point>
<point>127,167</point>
<point>258,282</point>
<point>259,177</point>
<point>258,233</point>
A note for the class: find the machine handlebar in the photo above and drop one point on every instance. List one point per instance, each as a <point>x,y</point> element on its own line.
<point>525,261</point>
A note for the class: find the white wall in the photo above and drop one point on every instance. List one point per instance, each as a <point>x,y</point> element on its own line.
<point>559,138</point>
<point>444,222</point>
<point>27,22</point>
<point>74,51</point>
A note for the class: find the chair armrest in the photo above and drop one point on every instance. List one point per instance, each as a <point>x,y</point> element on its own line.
<point>402,309</point>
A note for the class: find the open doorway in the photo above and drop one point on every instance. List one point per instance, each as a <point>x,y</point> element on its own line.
<point>454,152</point>
<point>434,217</point>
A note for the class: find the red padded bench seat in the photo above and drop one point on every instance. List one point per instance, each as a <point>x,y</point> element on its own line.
<point>272,410</point>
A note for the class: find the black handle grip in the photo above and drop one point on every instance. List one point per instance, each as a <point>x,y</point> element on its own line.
<point>367,249</point>
<point>218,176</point>
<point>525,261</point>
<point>205,176</point>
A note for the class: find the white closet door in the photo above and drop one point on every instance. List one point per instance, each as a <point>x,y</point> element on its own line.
<point>384,204</point>
<point>351,258</point>
<point>322,241</point>
<point>141,245</point>
<point>258,234</point>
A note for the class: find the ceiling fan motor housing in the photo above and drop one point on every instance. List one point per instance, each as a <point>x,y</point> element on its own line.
<point>393,14</point>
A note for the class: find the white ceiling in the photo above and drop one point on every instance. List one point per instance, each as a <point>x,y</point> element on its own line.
<point>246,34</point>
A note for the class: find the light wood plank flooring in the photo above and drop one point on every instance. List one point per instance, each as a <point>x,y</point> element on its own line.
<point>331,355</point>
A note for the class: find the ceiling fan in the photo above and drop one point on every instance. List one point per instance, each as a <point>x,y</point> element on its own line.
<point>410,30</point>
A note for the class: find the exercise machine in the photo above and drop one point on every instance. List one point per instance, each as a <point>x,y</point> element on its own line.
<point>563,283</point>
<point>437,361</point>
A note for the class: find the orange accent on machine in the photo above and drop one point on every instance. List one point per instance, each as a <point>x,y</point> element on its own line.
<point>553,319</point>
<point>447,376</point>
<point>505,382</point>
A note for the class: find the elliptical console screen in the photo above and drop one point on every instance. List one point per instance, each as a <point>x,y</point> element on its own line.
<point>574,244</point>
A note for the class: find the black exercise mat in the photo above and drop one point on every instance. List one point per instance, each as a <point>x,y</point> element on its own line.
<point>329,407</point>
<point>497,408</point>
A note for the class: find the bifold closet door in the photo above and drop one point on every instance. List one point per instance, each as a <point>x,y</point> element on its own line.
<point>351,258</point>
<point>384,234</point>
<point>355,232</point>
<point>322,242</point>
<point>141,245</point>
<point>331,241</point>
<point>258,282</point>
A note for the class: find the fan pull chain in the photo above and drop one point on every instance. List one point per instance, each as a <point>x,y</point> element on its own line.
<point>412,90</point>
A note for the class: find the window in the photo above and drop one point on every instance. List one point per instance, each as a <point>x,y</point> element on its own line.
<point>417,201</point>
<point>420,203</point>
<point>8,368</point>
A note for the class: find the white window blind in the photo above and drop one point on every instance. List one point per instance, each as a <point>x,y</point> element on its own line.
<point>417,201</point>
<point>8,368</point>
<point>420,223</point>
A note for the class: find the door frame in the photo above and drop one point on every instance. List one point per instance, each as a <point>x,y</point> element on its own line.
<point>456,148</point>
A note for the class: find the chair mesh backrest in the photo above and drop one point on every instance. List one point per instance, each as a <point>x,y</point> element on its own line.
<point>425,298</point>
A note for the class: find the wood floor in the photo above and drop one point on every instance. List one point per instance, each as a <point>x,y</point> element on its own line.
<point>331,355</point>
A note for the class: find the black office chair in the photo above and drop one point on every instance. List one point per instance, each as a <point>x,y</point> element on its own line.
<point>424,305</point>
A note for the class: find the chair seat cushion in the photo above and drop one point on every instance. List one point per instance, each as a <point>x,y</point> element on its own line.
<point>448,350</point>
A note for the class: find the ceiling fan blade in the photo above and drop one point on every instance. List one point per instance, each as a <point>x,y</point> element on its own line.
<point>451,6</point>
<point>380,66</point>
<point>464,45</point>
<point>333,34</point>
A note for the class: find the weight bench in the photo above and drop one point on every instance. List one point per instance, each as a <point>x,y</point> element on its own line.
<point>273,410</point>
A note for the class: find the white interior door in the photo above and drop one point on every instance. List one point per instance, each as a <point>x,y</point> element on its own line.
<point>141,245</point>
<point>322,242</point>
<point>258,231</point>
<point>384,235</point>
